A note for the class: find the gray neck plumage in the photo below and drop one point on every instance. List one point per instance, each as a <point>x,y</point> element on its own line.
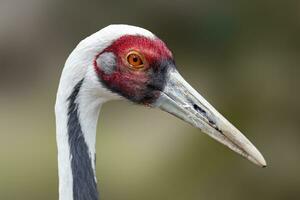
<point>84,180</point>
<point>76,118</point>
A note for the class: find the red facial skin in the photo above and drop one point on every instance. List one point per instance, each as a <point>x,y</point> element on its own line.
<point>127,81</point>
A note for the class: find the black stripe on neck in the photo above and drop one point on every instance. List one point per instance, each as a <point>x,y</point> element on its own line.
<point>84,184</point>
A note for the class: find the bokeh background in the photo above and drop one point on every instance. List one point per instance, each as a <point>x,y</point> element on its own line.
<point>243,56</point>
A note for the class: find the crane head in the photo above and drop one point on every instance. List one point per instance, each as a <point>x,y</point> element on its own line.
<point>135,67</point>
<point>132,63</point>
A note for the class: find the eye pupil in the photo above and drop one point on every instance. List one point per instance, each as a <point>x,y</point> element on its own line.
<point>135,59</point>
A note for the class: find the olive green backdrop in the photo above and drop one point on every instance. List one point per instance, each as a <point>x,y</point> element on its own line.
<point>243,56</point>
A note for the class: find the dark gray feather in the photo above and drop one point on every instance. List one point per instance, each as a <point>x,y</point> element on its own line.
<point>84,183</point>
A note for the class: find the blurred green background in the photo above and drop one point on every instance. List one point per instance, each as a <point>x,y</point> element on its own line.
<point>243,56</point>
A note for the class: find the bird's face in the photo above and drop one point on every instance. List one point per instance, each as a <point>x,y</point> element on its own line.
<point>142,70</point>
<point>135,67</point>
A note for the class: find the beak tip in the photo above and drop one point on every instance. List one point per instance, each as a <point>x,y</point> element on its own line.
<point>260,160</point>
<point>254,155</point>
<point>264,164</point>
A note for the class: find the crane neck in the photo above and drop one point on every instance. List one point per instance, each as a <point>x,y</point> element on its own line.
<point>77,112</point>
<point>79,99</point>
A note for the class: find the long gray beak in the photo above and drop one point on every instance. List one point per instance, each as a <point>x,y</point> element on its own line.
<point>183,101</point>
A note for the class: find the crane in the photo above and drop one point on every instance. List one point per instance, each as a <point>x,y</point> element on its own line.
<point>124,62</point>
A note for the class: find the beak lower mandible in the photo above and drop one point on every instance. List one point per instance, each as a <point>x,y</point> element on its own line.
<point>183,101</point>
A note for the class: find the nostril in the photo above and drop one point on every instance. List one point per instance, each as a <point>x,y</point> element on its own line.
<point>197,108</point>
<point>203,112</point>
<point>211,122</point>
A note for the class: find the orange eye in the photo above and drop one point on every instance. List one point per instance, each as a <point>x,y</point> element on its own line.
<point>135,60</point>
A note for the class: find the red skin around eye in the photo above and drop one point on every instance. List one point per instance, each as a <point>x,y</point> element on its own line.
<point>151,49</point>
<point>130,82</point>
